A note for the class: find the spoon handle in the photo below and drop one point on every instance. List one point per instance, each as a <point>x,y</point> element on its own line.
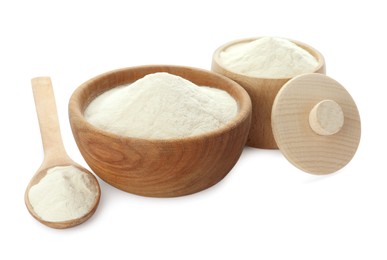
<point>54,151</point>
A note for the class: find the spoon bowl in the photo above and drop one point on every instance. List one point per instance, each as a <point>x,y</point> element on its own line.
<point>54,151</point>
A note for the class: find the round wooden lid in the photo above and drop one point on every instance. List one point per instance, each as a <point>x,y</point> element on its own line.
<point>316,123</point>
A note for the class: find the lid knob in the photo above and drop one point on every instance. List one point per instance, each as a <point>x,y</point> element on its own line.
<point>326,117</point>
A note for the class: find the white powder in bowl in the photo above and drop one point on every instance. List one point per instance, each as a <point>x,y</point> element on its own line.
<point>64,193</point>
<point>161,106</point>
<point>268,57</point>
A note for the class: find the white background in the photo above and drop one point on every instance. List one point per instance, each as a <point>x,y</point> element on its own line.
<point>265,208</point>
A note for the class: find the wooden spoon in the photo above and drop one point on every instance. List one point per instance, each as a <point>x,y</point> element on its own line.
<point>54,151</point>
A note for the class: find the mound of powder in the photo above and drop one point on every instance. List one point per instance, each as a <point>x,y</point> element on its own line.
<point>64,193</point>
<point>268,57</point>
<point>161,106</point>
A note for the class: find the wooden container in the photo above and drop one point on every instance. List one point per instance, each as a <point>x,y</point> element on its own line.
<point>262,92</point>
<point>316,123</point>
<point>160,168</point>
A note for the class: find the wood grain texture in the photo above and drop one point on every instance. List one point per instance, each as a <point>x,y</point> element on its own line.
<point>302,146</point>
<point>262,92</point>
<point>54,151</point>
<point>160,168</point>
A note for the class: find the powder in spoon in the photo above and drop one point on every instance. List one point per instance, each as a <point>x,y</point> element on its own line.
<point>161,106</point>
<point>64,193</point>
<point>268,57</point>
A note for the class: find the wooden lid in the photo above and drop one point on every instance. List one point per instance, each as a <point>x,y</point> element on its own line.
<point>316,123</point>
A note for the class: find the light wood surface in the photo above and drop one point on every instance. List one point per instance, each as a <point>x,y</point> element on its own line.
<point>262,92</point>
<point>318,153</point>
<point>160,168</point>
<point>54,151</point>
<point>326,118</point>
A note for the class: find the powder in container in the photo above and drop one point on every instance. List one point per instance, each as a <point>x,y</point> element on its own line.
<point>64,193</point>
<point>268,57</point>
<point>161,106</point>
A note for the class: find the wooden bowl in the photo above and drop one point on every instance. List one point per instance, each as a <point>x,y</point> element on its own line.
<point>160,168</point>
<point>262,92</point>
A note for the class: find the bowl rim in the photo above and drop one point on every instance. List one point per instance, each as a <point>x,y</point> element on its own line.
<point>216,56</point>
<point>76,112</point>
